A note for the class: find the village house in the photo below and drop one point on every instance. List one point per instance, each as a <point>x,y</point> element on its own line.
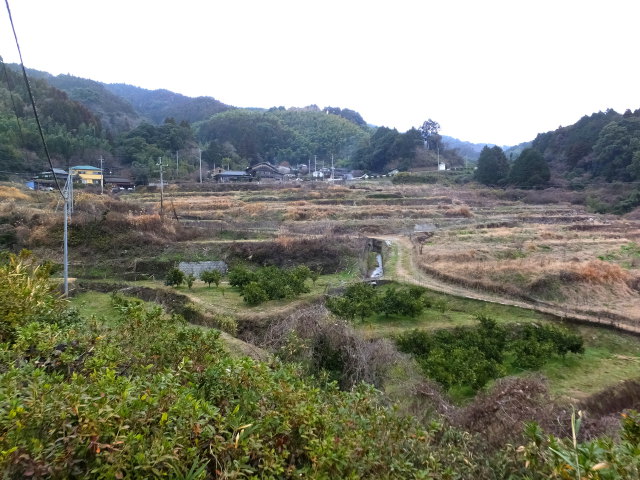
<point>47,180</point>
<point>265,171</point>
<point>232,176</point>
<point>88,175</point>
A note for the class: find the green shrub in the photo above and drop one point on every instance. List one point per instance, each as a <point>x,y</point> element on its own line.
<point>472,356</point>
<point>254,294</point>
<point>240,276</point>
<point>269,283</point>
<point>175,277</point>
<point>26,294</point>
<point>405,302</point>
<point>211,276</point>
<point>359,299</point>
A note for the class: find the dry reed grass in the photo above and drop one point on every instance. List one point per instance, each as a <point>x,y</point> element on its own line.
<point>597,271</point>
<point>12,193</point>
<point>255,209</point>
<point>462,211</point>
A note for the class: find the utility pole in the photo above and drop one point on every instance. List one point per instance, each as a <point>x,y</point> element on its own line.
<point>70,189</point>
<point>332,167</point>
<point>68,201</point>
<point>315,167</point>
<point>66,248</point>
<point>200,157</point>
<point>161,186</point>
<point>101,177</point>
<point>176,164</point>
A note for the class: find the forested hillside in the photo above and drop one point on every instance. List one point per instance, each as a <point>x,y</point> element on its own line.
<point>116,114</point>
<point>131,128</point>
<point>157,105</point>
<point>72,131</point>
<point>467,150</point>
<point>242,137</point>
<point>605,145</point>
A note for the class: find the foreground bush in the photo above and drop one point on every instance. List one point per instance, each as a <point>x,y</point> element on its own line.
<point>26,294</point>
<point>149,396</point>
<point>146,396</point>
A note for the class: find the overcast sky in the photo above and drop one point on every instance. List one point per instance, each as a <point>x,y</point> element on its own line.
<point>487,71</point>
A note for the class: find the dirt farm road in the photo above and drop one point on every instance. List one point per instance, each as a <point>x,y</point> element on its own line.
<point>405,270</point>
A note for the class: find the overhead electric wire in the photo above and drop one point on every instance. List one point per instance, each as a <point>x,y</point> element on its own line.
<point>13,102</point>
<point>33,103</point>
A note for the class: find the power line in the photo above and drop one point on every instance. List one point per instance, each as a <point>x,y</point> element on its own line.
<point>13,102</point>
<point>33,103</point>
<point>69,195</point>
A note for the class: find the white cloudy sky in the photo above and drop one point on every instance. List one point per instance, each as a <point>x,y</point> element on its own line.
<point>488,71</point>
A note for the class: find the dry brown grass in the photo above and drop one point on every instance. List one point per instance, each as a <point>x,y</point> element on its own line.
<point>255,209</point>
<point>287,242</point>
<point>597,271</point>
<point>549,254</point>
<point>12,193</point>
<point>461,211</point>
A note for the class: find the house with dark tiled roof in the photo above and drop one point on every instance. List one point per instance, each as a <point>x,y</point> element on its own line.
<point>265,171</point>
<point>232,176</point>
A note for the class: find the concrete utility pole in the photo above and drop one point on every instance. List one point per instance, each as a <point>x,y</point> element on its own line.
<point>176,164</point>
<point>332,166</point>
<point>200,157</point>
<point>66,249</point>
<point>161,186</point>
<point>101,177</point>
<point>70,195</point>
<point>68,201</point>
